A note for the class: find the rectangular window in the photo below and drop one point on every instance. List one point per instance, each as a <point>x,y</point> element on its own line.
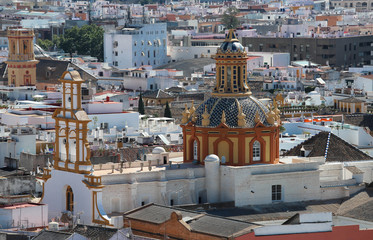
<point>276,192</point>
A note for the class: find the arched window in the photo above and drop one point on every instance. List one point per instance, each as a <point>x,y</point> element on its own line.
<point>195,151</point>
<point>69,199</point>
<point>256,151</point>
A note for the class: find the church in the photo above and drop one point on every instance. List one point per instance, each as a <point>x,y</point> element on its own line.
<point>231,153</point>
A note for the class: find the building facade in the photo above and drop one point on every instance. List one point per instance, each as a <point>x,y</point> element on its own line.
<point>340,52</point>
<point>21,59</point>
<point>136,46</point>
<point>360,6</point>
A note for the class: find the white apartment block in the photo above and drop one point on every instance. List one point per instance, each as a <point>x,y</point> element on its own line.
<point>137,46</point>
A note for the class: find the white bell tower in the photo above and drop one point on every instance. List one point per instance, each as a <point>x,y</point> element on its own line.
<point>71,186</point>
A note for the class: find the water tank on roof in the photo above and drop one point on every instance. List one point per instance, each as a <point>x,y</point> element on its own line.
<point>53,226</point>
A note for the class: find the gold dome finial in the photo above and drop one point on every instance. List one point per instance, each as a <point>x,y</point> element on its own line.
<point>271,116</point>
<point>277,112</point>
<point>241,116</point>
<point>185,114</point>
<point>223,120</point>
<point>194,117</point>
<point>192,109</point>
<point>231,36</point>
<point>257,117</point>
<point>206,117</point>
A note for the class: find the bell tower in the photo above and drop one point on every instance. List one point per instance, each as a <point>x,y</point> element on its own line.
<point>71,147</point>
<point>21,59</point>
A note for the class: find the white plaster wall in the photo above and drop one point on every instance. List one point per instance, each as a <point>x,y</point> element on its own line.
<point>183,186</point>
<point>103,107</point>
<point>26,143</point>
<point>331,172</point>
<point>364,83</point>
<point>34,216</point>
<point>179,53</point>
<point>11,119</point>
<point>253,184</point>
<point>124,45</point>
<point>6,149</point>
<point>366,167</point>
<point>55,195</point>
<point>273,59</point>
<point>120,120</point>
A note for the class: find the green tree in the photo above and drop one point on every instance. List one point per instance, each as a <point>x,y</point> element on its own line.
<point>167,111</point>
<point>229,19</point>
<point>87,40</point>
<point>141,107</point>
<point>45,44</point>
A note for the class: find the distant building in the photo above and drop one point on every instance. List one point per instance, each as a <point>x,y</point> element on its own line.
<point>350,105</point>
<point>359,6</point>
<point>136,46</point>
<point>339,52</point>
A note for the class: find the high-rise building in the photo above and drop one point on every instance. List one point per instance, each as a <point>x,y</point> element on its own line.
<point>21,60</point>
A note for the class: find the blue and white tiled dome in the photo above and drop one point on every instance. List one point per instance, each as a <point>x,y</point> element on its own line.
<point>231,47</point>
<point>231,44</point>
<point>216,105</point>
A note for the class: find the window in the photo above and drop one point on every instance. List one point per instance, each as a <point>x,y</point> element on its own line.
<point>69,199</point>
<point>276,193</point>
<point>256,151</point>
<point>195,150</point>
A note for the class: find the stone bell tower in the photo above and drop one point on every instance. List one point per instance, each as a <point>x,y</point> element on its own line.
<point>21,59</point>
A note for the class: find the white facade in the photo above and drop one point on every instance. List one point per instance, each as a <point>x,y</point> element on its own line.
<point>56,188</point>
<point>25,215</point>
<point>273,59</point>
<point>179,53</point>
<point>120,120</point>
<point>247,185</point>
<point>21,140</point>
<point>138,46</point>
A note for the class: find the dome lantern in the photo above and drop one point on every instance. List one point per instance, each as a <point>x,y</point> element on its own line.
<point>231,65</point>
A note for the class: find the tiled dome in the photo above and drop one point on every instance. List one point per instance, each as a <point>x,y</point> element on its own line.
<point>231,44</point>
<point>231,47</point>
<point>216,105</point>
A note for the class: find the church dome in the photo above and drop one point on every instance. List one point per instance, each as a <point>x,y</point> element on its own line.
<point>231,47</point>
<point>231,44</point>
<point>249,107</point>
<point>158,150</point>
